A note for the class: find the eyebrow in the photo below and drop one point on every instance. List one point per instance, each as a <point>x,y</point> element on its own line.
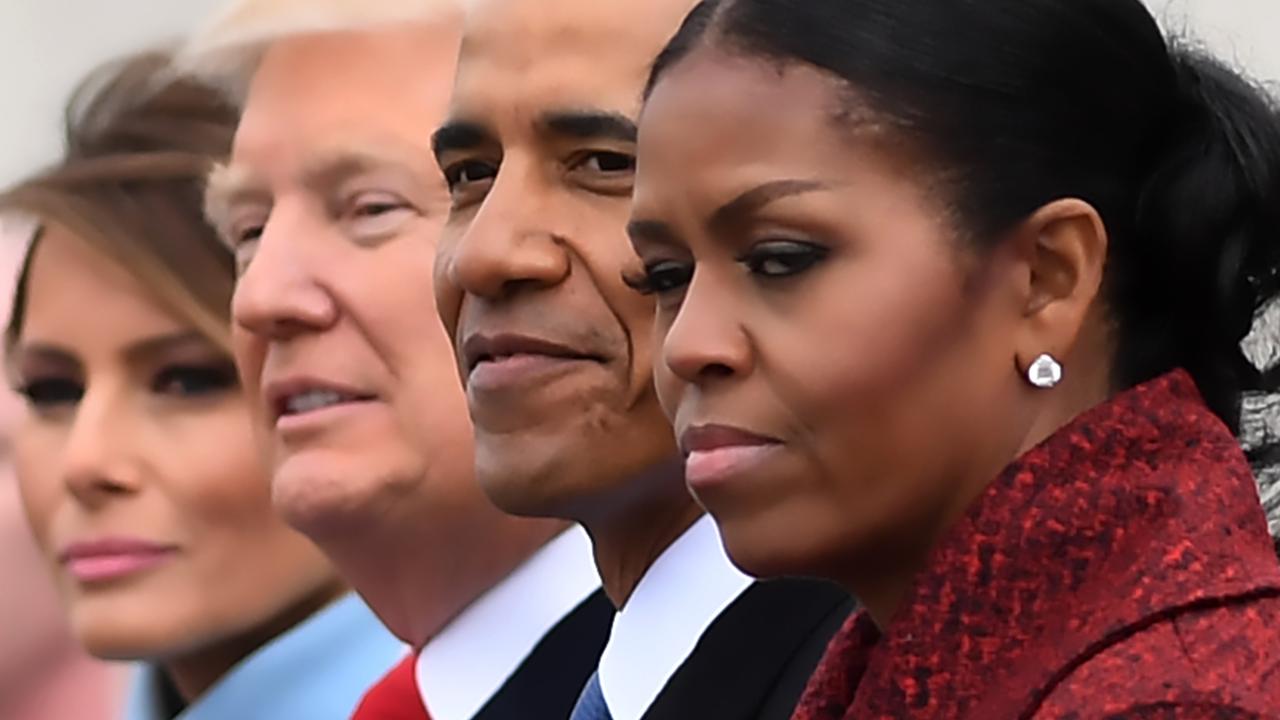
<point>653,231</point>
<point>459,135</point>
<point>137,352</point>
<point>328,169</point>
<point>228,186</point>
<point>589,125</point>
<point>231,185</point>
<point>737,209</point>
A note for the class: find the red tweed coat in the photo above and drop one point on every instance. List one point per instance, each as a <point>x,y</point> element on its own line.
<point>1122,569</point>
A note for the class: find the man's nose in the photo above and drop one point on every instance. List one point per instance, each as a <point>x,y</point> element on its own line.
<point>511,242</point>
<point>279,292</point>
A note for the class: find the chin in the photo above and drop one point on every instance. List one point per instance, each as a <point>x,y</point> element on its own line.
<point>765,553</point>
<point>325,495</point>
<point>125,634</point>
<point>523,490</point>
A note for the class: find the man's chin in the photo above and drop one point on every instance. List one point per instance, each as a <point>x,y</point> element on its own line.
<point>324,498</point>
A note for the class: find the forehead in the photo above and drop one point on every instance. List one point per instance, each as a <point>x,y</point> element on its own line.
<point>65,269</point>
<point>530,56</point>
<point>311,91</point>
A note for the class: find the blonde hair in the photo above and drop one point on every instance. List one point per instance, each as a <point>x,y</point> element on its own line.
<point>226,52</point>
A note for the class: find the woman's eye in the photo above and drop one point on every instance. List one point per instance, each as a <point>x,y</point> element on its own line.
<point>661,277</point>
<point>195,380</point>
<point>52,392</point>
<point>783,258</point>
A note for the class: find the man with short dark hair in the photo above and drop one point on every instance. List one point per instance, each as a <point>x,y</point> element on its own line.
<point>555,353</point>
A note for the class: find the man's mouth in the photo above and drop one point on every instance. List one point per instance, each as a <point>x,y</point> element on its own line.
<point>301,397</point>
<point>480,349</point>
<point>313,400</point>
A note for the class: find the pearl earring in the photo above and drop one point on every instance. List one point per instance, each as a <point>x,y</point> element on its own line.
<point>1045,372</point>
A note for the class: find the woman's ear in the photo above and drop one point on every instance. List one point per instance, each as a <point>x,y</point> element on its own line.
<point>1064,249</point>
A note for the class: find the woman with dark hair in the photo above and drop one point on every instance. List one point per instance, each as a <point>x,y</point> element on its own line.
<point>952,296</point>
<point>136,461</point>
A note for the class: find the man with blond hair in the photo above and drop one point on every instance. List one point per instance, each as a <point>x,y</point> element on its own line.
<point>333,206</point>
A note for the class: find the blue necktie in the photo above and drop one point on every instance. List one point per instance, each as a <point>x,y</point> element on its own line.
<point>591,705</point>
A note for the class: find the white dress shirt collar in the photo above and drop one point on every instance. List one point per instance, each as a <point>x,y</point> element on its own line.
<point>464,665</point>
<point>685,590</point>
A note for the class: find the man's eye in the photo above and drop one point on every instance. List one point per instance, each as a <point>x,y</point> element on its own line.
<point>661,277</point>
<point>247,234</point>
<point>783,258</point>
<point>608,162</point>
<point>374,209</point>
<point>469,172</point>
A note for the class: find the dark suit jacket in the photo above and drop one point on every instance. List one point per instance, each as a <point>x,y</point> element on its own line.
<point>754,659</point>
<point>1122,569</point>
<point>547,684</point>
<point>544,687</point>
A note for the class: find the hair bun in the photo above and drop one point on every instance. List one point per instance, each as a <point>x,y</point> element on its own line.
<point>1209,216</point>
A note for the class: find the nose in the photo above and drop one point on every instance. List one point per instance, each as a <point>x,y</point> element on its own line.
<point>98,462</point>
<point>706,342</point>
<point>278,295</point>
<point>516,240</point>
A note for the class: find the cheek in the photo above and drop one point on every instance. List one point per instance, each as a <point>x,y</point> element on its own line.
<point>249,354</point>
<point>213,476</point>
<point>871,362</point>
<point>446,294</point>
<point>632,313</point>
<point>395,306</point>
<point>669,386</point>
<point>36,453</point>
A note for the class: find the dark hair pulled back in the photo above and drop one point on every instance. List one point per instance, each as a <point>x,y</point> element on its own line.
<point>1017,103</point>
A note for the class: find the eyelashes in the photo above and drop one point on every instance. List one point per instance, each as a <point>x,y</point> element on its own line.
<point>767,261</point>
<point>177,381</point>
<point>51,392</point>
<point>660,277</point>
<point>196,380</point>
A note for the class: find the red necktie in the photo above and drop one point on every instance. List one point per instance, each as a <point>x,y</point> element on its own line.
<point>394,697</point>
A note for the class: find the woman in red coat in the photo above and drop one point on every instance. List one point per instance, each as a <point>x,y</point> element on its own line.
<point>952,296</point>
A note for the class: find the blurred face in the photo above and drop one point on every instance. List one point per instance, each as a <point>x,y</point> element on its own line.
<point>28,647</point>
<point>138,470</point>
<point>552,347</point>
<point>334,206</point>
<point>829,352</point>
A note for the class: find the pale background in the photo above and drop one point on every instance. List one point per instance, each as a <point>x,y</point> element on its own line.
<point>47,45</point>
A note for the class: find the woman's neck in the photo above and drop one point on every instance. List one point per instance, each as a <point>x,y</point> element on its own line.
<point>194,673</point>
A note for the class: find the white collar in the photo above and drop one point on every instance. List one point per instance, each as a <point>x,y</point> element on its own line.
<point>462,667</point>
<point>678,598</point>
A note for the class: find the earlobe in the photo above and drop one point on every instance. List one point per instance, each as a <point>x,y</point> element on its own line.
<point>1065,248</point>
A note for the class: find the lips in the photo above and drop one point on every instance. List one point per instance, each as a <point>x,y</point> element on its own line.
<point>707,438</point>
<point>716,454</point>
<point>113,558</point>
<point>303,396</point>
<point>492,348</point>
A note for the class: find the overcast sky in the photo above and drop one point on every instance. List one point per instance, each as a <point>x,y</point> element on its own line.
<point>46,46</point>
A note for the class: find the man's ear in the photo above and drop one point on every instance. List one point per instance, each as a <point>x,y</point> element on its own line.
<point>1063,246</point>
